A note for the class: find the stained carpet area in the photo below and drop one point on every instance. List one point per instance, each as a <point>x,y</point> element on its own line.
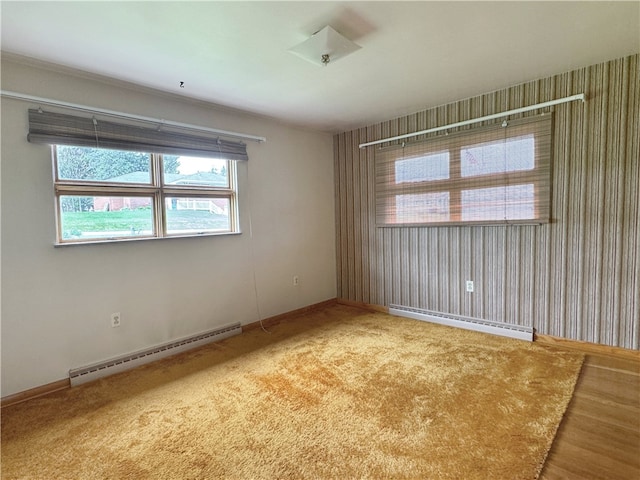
<point>335,394</point>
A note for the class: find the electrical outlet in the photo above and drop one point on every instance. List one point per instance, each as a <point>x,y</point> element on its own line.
<point>469,285</point>
<point>116,319</point>
<point>296,280</point>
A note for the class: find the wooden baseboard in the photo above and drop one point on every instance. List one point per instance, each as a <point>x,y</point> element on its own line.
<point>310,308</point>
<point>366,306</point>
<point>270,321</point>
<point>35,392</point>
<point>590,348</point>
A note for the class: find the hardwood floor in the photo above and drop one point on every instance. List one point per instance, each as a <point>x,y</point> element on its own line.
<point>599,437</point>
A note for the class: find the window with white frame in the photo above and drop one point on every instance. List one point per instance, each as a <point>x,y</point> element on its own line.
<point>113,194</point>
<point>116,181</point>
<point>490,175</point>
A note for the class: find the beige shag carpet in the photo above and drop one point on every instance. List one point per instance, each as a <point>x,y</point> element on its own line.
<point>339,393</point>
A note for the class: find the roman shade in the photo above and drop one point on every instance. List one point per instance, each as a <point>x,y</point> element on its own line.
<point>488,175</point>
<point>62,129</point>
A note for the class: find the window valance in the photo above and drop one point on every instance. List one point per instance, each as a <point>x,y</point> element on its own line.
<point>63,129</point>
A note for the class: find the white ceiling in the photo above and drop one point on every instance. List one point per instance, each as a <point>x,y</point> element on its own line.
<point>414,55</point>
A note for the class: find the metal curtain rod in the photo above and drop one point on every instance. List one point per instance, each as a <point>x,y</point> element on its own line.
<point>579,96</point>
<point>113,113</point>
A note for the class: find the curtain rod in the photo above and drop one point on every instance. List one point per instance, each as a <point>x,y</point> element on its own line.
<point>579,96</point>
<point>113,113</point>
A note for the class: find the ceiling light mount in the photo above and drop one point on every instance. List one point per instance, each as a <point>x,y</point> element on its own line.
<point>324,46</point>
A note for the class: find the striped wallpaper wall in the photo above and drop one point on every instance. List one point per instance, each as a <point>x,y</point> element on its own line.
<point>577,277</point>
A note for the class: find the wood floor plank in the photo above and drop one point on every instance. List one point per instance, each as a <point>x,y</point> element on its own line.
<point>599,437</point>
<point>613,363</point>
<point>608,440</point>
<point>621,388</point>
<point>620,414</point>
<point>599,466</point>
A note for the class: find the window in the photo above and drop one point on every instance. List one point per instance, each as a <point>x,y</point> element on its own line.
<point>491,175</point>
<point>118,181</point>
<point>112,194</point>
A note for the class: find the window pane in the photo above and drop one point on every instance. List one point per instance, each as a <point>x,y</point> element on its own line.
<point>99,164</point>
<point>422,207</point>
<point>197,215</point>
<point>87,218</point>
<point>423,169</point>
<point>516,202</point>
<point>195,171</point>
<point>498,157</point>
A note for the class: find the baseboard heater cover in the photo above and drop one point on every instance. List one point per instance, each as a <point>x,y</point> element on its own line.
<point>468,323</point>
<point>94,371</point>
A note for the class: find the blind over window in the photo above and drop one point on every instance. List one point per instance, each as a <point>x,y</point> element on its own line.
<point>61,129</point>
<point>488,175</point>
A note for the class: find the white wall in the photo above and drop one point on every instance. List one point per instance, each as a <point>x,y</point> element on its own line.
<point>56,302</point>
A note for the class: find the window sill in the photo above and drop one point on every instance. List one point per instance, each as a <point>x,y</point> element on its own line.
<point>138,239</point>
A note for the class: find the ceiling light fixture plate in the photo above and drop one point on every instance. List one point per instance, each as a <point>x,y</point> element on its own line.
<point>325,46</point>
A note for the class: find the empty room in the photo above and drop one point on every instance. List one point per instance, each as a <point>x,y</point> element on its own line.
<point>328,240</point>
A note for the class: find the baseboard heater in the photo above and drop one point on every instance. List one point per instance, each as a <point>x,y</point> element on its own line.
<point>468,323</point>
<point>88,373</point>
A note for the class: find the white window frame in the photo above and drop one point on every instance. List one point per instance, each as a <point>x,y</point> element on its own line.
<point>156,189</point>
